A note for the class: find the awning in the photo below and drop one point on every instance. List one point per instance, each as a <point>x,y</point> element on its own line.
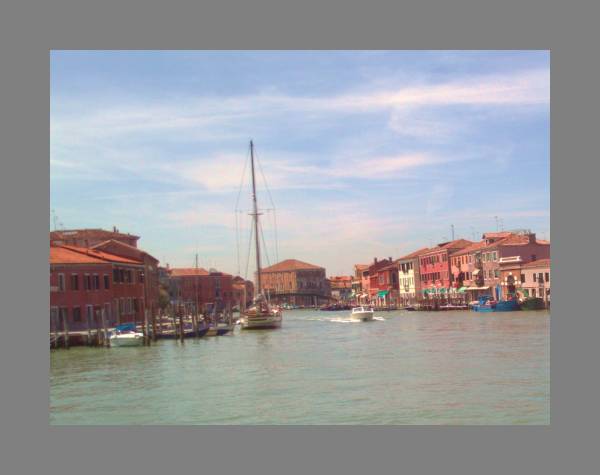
<point>462,290</point>
<point>476,271</point>
<point>477,288</point>
<point>382,293</point>
<point>442,290</point>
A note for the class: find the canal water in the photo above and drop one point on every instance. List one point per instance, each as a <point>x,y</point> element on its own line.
<point>403,368</point>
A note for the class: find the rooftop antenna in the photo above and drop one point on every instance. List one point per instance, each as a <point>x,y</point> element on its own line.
<point>54,218</point>
<point>452,227</point>
<point>501,224</point>
<point>496,218</point>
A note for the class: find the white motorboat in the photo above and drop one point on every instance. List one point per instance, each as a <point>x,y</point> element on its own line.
<point>363,314</point>
<point>126,335</point>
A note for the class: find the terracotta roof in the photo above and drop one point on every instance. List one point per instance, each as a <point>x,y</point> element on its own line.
<point>414,254</point>
<point>86,254</point>
<point>61,255</point>
<point>361,266</point>
<point>498,234</point>
<point>473,247</point>
<point>187,271</point>
<point>518,240</point>
<point>288,265</point>
<point>341,278</point>
<point>123,244</point>
<point>379,265</point>
<point>538,263</point>
<point>456,244</point>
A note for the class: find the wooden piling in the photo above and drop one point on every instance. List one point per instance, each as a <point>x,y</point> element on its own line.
<point>145,328</point>
<point>173,321</point>
<point>195,323</point>
<point>55,328</point>
<point>106,341</point>
<point>181,330</point>
<point>153,317</point>
<point>89,330</point>
<point>65,329</point>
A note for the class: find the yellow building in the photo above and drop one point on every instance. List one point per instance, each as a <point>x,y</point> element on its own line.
<point>408,277</point>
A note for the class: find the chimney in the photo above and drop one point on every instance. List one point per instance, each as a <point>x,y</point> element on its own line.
<point>390,259</point>
<point>114,229</point>
<point>532,239</point>
<point>374,260</point>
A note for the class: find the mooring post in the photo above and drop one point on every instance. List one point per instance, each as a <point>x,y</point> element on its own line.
<point>181,332</point>
<point>173,321</point>
<point>65,328</point>
<point>89,331</point>
<point>153,317</point>
<point>195,322</point>
<point>105,336</point>
<point>55,328</point>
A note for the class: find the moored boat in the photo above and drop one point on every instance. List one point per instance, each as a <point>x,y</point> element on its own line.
<point>261,315</point>
<point>487,304</point>
<point>126,335</point>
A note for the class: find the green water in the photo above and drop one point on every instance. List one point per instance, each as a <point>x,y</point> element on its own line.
<point>404,368</point>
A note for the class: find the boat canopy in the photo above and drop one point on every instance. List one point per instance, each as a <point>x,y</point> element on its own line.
<point>478,288</point>
<point>382,293</point>
<point>125,327</point>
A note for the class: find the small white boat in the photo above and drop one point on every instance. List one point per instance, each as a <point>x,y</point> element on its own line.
<point>126,335</point>
<point>363,314</point>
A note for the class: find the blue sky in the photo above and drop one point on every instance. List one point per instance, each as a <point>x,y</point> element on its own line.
<point>368,153</point>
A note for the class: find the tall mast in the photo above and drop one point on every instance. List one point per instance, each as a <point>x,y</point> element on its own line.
<point>255,214</point>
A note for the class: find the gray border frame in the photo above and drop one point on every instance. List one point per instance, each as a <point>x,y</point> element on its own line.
<point>29,29</point>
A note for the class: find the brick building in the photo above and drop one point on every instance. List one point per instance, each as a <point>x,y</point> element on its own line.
<point>360,283</point>
<point>199,288</point>
<point>341,287</point>
<point>381,281</point>
<point>295,282</point>
<point>434,268</point>
<point>151,283</point>
<point>243,292</point>
<point>85,282</point>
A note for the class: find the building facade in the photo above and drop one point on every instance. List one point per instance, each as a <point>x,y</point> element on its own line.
<point>434,269</point>
<point>200,290</point>
<point>381,281</point>
<point>295,282</point>
<point>341,288</point>
<point>85,283</point>
<point>409,282</point>
<point>151,272</point>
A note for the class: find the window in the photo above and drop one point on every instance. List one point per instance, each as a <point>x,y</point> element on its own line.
<point>77,314</point>
<point>522,278</point>
<point>115,276</point>
<point>540,277</point>
<point>106,281</point>
<point>533,292</point>
<point>96,281</point>
<point>533,257</point>
<point>547,277</point>
<point>90,314</point>
<point>136,305</point>
<point>74,282</point>
<point>496,273</point>
<point>61,282</point>
<point>534,277</point>
<point>87,282</point>
<point>141,277</point>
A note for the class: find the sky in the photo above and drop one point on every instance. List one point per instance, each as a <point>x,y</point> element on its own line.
<point>361,154</point>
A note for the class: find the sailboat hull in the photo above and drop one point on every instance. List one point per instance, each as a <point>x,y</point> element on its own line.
<point>257,322</point>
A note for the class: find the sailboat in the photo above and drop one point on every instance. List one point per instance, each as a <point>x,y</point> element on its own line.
<point>260,315</point>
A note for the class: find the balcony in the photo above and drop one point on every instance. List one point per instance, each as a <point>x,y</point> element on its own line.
<point>510,260</point>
